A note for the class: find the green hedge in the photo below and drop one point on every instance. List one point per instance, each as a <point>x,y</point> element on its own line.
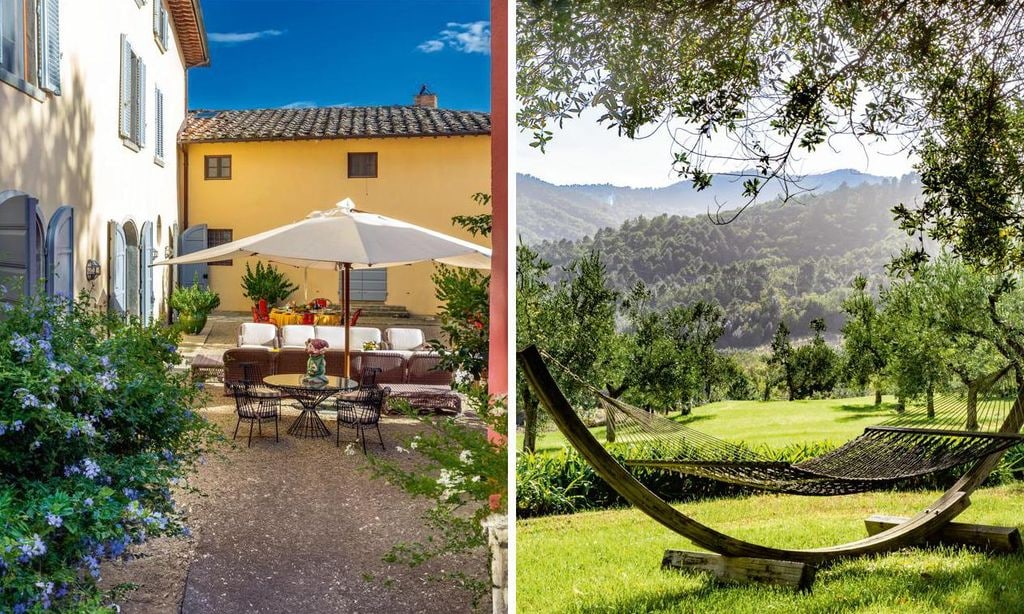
<point>564,483</point>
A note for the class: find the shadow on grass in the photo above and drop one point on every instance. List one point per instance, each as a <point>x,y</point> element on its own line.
<point>986,584</point>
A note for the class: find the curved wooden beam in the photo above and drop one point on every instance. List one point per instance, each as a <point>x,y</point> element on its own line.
<point>916,529</point>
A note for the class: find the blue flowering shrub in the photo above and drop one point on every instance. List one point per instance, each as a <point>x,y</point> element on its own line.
<point>94,431</point>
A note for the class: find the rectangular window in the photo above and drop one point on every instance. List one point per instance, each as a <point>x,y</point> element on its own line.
<point>219,236</point>
<point>218,167</point>
<point>161,25</point>
<point>362,165</point>
<point>30,45</point>
<point>158,114</point>
<point>133,96</point>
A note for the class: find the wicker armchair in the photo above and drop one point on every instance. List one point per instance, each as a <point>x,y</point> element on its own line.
<point>255,403</point>
<point>361,411</point>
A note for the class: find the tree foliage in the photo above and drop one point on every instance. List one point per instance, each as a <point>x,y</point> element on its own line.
<point>753,85</point>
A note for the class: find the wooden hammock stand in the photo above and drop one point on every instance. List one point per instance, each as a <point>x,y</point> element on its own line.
<point>736,560</point>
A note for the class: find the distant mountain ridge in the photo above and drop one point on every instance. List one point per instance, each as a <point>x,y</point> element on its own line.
<point>789,262</point>
<point>549,212</point>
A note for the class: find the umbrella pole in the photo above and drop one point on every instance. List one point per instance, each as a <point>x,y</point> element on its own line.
<point>305,285</point>
<point>345,279</point>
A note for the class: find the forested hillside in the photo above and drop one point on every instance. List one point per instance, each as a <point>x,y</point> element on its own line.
<point>552,212</point>
<point>788,262</point>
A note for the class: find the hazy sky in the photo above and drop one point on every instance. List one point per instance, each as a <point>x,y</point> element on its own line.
<point>586,152</point>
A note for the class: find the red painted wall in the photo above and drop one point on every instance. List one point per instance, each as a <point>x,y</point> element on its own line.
<point>497,371</point>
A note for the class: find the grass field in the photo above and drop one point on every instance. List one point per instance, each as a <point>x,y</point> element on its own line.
<point>609,561</point>
<point>775,423</point>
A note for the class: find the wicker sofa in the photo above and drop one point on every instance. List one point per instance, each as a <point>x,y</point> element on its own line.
<point>416,376</point>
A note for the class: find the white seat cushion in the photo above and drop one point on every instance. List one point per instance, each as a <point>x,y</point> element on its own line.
<point>335,336</point>
<point>252,334</point>
<point>296,335</point>
<point>404,338</point>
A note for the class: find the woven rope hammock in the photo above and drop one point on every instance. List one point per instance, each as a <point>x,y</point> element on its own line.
<point>911,444</point>
<point>909,450</point>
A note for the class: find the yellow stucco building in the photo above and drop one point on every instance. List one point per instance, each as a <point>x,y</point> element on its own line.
<point>92,94</point>
<point>249,171</point>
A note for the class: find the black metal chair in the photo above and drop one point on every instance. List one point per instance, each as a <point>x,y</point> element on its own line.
<point>361,411</point>
<point>256,403</point>
<point>368,377</point>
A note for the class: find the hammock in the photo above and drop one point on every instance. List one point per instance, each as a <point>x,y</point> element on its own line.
<point>912,444</point>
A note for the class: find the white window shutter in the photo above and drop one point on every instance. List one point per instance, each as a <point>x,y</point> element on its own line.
<point>142,104</point>
<point>49,59</point>
<point>126,122</point>
<point>156,17</point>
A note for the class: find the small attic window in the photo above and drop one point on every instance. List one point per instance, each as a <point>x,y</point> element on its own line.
<point>207,114</point>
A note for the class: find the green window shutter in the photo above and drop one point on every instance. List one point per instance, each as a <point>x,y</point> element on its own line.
<point>49,58</point>
<point>125,124</point>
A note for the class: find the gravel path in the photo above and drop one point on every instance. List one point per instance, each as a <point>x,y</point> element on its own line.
<point>294,526</point>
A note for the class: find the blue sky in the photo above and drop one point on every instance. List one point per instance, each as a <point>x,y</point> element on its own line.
<point>276,53</point>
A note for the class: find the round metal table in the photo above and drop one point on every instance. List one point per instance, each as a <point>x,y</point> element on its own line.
<point>310,396</point>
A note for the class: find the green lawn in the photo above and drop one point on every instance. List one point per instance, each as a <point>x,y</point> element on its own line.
<point>609,561</point>
<point>776,423</point>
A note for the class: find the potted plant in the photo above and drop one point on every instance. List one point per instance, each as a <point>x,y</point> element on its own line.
<point>266,283</point>
<point>193,304</point>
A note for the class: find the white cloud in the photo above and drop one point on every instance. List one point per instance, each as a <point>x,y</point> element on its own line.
<point>430,46</point>
<point>298,104</point>
<point>471,37</point>
<point>233,38</point>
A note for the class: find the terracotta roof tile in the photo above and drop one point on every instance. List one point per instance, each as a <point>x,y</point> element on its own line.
<point>331,123</point>
<point>188,25</point>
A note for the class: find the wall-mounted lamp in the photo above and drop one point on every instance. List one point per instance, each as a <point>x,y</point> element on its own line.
<point>92,270</point>
<point>168,252</point>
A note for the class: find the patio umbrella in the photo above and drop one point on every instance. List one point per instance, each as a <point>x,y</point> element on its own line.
<point>343,239</point>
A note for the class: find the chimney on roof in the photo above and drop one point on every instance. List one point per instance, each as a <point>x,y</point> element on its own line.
<point>425,98</point>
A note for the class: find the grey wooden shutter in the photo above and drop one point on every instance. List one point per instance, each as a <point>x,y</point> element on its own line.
<point>125,128</point>
<point>146,298</point>
<point>165,24</point>
<point>158,104</point>
<point>141,140</point>
<point>156,17</point>
<point>193,240</point>
<point>60,253</point>
<point>49,59</point>
<point>116,292</point>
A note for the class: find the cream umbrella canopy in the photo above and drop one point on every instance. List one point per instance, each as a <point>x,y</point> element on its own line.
<point>344,238</point>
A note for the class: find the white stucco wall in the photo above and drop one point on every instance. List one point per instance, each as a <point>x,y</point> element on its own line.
<point>66,150</point>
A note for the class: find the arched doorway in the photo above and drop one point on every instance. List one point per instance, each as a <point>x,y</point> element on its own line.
<point>132,279</point>
<point>21,244</point>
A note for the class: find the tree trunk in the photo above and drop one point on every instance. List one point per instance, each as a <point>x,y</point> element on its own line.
<point>789,385</point>
<point>972,406</point>
<point>878,396</point>
<point>931,400</point>
<point>530,410</point>
<point>901,405</point>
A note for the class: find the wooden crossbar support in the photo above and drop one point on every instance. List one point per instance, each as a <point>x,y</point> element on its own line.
<point>742,570</point>
<point>985,537</point>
